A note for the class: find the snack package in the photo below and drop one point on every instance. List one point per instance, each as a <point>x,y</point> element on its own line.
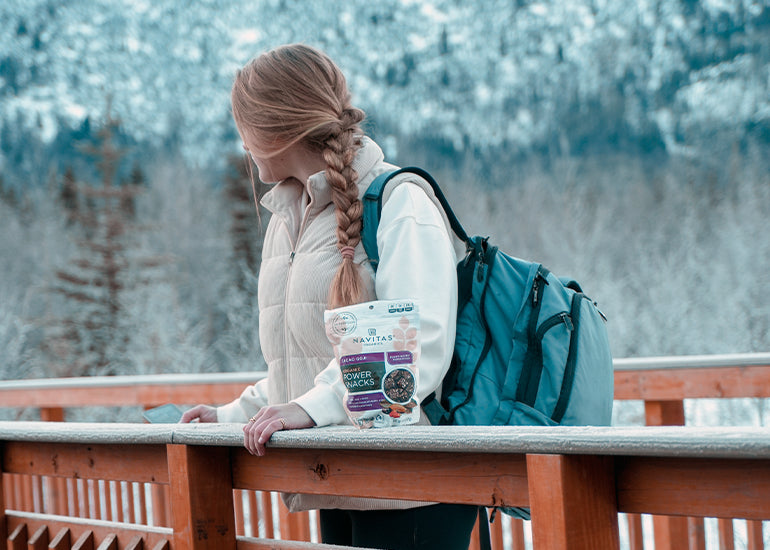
<point>377,345</point>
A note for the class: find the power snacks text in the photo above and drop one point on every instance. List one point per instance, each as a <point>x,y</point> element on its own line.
<point>377,346</point>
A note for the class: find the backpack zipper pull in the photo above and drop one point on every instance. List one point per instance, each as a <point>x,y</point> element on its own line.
<point>536,287</point>
<point>567,320</point>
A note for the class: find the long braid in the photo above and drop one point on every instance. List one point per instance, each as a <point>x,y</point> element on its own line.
<point>346,287</point>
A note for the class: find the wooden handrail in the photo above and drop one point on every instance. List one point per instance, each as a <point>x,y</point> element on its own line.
<point>654,441</point>
<point>692,361</point>
<point>649,379</point>
<point>575,480</point>
<point>144,390</point>
<point>693,377</point>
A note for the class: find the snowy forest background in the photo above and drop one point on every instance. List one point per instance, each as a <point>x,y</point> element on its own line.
<point>625,144</point>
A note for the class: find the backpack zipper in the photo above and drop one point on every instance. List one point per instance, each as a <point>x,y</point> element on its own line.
<point>551,322</point>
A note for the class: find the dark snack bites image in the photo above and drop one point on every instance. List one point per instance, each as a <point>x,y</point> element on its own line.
<point>377,346</point>
<point>399,385</point>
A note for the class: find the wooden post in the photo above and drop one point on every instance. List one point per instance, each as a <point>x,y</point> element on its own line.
<point>573,503</point>
<point>61,541</point>
<point>27,495</point>
<point>72,497</point>
<point>726,534</point>
<point>496,532</point>
<point>475,543</point>
<point>110,542</point>
<point>56,495</point>
<point>39,540</point>
<point>671,533</point>
<point>756,540</point>
<point>635,532</point>
<point>85,542</point>
<point>96,498</point>
<point>130,502</point>
<point>238,503</point>
<point>253,513</point>
<point>267,514</point>
<point>3,525</point>
<point>517,534</point>
<point>160,518</point>
<point>202,514</point>
<point>697,533</point>
<point>52,414</point>
<point>294,525</point>
<point>142,512</point>
<point>18,539</point>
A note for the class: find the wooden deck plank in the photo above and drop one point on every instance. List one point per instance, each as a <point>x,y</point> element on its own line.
<point>692,383</point>
<point>698,487</point>
<point>489,479</point>
<point>126,390</point>
<point>145,463</point>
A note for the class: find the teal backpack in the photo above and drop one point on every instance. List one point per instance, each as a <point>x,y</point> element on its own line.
<point>531,348</point>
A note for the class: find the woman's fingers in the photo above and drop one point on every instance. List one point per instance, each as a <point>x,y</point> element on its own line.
<point>258,432</point>
<point>202,413</point>
<point>271,419</point>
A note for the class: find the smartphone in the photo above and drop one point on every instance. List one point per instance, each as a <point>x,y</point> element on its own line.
<point>165,414</point>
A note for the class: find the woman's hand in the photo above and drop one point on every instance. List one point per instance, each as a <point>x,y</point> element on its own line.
<point>202,413</point>
<point>269,420</point>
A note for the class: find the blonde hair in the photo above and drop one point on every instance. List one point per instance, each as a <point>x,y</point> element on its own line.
<point>295,94</point>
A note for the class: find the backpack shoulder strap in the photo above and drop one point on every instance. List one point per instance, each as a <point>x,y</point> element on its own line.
<point>373,210</point>
<point>371,217</point>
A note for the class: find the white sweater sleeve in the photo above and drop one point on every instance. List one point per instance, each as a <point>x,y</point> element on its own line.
<point>417,261</point>
<point>250,401</point>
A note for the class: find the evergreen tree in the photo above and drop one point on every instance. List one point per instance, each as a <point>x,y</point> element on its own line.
<point>68,195</point>
<point>92,338</point>
<point>244,219</point>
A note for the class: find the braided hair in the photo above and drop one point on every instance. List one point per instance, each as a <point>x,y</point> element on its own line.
<point>295,94</point>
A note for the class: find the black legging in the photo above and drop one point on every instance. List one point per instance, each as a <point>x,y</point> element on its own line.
<point>435,527</point>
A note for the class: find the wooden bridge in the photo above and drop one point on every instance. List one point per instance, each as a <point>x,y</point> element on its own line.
<point>132,485</point>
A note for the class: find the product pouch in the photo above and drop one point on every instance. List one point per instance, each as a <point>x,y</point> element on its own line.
<point>377,346</point>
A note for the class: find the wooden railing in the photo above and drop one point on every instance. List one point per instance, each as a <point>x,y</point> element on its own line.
<point>575,480</point>
<point>54,395</point>
<point>662,383</point>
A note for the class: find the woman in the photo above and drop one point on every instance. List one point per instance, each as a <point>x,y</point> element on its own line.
<point>294,114</point>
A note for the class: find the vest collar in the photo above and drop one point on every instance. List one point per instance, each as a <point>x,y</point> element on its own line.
<point>287,194</point>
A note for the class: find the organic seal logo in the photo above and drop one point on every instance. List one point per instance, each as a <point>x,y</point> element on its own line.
<point>344,323</point>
